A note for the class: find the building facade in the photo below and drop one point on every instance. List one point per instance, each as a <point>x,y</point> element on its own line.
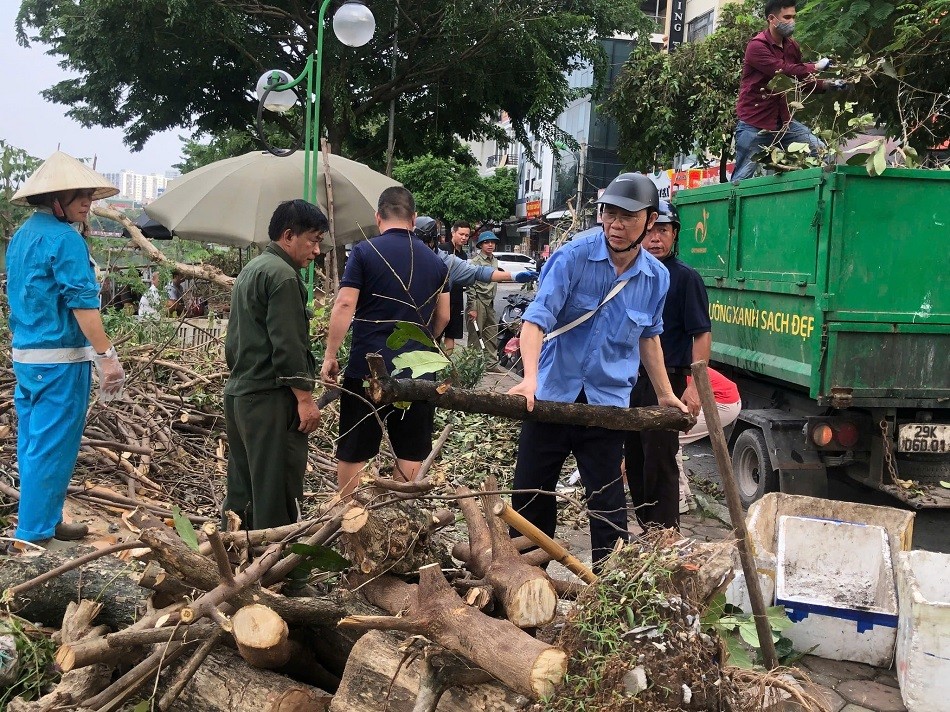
<point>140,187</point>
<point>549,177</point>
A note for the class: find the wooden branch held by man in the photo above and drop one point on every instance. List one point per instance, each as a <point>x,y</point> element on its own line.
<point>385,389</point>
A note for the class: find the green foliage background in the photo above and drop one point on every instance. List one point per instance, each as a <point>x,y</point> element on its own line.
<point>152,65</point>
<point>444,188</point>
<point>684,102</point>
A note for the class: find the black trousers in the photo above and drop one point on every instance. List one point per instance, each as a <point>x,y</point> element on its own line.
<point>542,450</point>
<point>650,461</point>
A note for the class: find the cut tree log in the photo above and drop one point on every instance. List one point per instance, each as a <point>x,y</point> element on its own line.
<point>396,538</point>
<point>523,591</point>
<point>435,610</point>
<point>557,552</point>
<point>107,580</point>
<point>380,677</point>
<point>462,551</point>
<point>225,683</point>
<point>261,636</point>
<point>384,389</point>
<point>76,685</point>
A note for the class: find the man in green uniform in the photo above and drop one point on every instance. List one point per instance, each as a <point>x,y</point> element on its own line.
<point>481,304</point>
<point>268,400</point>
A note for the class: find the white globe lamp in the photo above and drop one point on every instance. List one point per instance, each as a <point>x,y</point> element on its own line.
<point>354,24</point>
<point>279,101</point>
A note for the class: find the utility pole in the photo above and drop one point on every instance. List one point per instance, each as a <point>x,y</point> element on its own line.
<point>581,165</point>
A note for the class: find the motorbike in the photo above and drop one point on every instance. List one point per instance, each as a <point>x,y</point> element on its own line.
<point>509,331</point>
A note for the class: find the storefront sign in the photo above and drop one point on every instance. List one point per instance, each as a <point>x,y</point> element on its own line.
<point>533,209</point>
<point>677,23</point>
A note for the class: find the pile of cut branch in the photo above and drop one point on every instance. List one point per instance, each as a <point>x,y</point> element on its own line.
<point>636,639</point>
<point>164,443</point>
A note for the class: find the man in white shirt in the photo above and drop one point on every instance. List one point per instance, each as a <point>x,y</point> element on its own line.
<point>152,299</point>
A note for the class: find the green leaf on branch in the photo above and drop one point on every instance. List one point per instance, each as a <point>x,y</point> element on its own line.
<point>405,332</point>
<point>781,82</point>
<point>184,528</point>
<point>778,620</point>
<point>869,146</point>
<point>420,363</point>
<point>879,160</point>
<point>738,655</point>
<point>798,147</point>
<point>319,557</point>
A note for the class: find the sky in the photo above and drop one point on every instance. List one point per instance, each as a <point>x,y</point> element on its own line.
<point>30,122</point>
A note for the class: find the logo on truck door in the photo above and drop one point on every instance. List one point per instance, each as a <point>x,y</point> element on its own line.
<point>700,232</point>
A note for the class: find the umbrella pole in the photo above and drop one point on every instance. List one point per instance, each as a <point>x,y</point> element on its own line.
<point>330,265</point>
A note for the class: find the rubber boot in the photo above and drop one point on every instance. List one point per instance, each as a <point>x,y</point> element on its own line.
<point>70,532</point>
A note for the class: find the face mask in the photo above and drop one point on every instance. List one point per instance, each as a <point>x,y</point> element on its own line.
<point>785,28</point>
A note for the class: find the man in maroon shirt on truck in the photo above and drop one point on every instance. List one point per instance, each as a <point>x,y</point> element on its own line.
<point>764,118</point>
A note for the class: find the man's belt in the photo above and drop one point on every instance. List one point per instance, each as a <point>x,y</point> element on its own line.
<point>76,354</point>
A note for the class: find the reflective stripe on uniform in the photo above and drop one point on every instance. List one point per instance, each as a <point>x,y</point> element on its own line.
<point>64,355</point>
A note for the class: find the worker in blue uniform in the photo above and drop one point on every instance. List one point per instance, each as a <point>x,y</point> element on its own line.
<point>57,334</point>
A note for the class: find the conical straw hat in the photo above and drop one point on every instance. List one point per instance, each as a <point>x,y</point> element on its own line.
<point>63,172</point>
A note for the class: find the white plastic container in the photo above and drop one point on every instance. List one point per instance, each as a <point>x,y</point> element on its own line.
<point>764,515</point>
<point>923,630</point>
<point>836,581</point>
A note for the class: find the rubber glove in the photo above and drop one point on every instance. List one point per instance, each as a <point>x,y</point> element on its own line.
<point>526,276</point>
<point>822,64</point>
<point>838,85</point>
<point>111,375</point>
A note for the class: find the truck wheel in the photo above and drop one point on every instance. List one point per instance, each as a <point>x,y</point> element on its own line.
<point>753,466</point>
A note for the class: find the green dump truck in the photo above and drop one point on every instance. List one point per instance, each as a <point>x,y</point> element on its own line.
<point>829,294</point>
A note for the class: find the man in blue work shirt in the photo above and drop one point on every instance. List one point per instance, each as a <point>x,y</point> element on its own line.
<point>605,278</point>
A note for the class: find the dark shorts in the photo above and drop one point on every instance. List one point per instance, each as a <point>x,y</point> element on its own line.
<point>456,325</point>
<point>410,431</point>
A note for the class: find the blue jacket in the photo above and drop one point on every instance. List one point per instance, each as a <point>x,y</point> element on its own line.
<point>49,273</point>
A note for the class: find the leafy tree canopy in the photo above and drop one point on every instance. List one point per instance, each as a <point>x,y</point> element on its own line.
<point>16,165</point>
<point>908,42</point>
<point>152,65</point>
<point>444,188</point>
<point>895,53</point>
<point>669,103</point>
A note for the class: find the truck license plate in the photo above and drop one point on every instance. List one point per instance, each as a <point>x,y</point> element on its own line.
<point>923,437</point>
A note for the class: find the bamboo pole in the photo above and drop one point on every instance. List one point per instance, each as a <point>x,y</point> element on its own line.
<point>556,551</point>
<point>721,449</point>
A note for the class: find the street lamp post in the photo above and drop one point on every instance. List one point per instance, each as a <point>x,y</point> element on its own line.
<point>353,25</point>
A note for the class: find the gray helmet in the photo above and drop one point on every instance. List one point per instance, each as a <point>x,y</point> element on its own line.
<point>426,229</point>
<point>668,214</point>
<point>631,192</point>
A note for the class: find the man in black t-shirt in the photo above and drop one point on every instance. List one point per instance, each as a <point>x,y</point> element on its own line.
<point>391,278</point>
<point>650,455</point>
<point>461,232</point>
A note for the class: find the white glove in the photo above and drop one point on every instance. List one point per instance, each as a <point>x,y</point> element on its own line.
<point>822,64</point>
<point>111,375</point>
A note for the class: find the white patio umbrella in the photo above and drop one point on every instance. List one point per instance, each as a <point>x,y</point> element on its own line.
<point>230,202</point>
